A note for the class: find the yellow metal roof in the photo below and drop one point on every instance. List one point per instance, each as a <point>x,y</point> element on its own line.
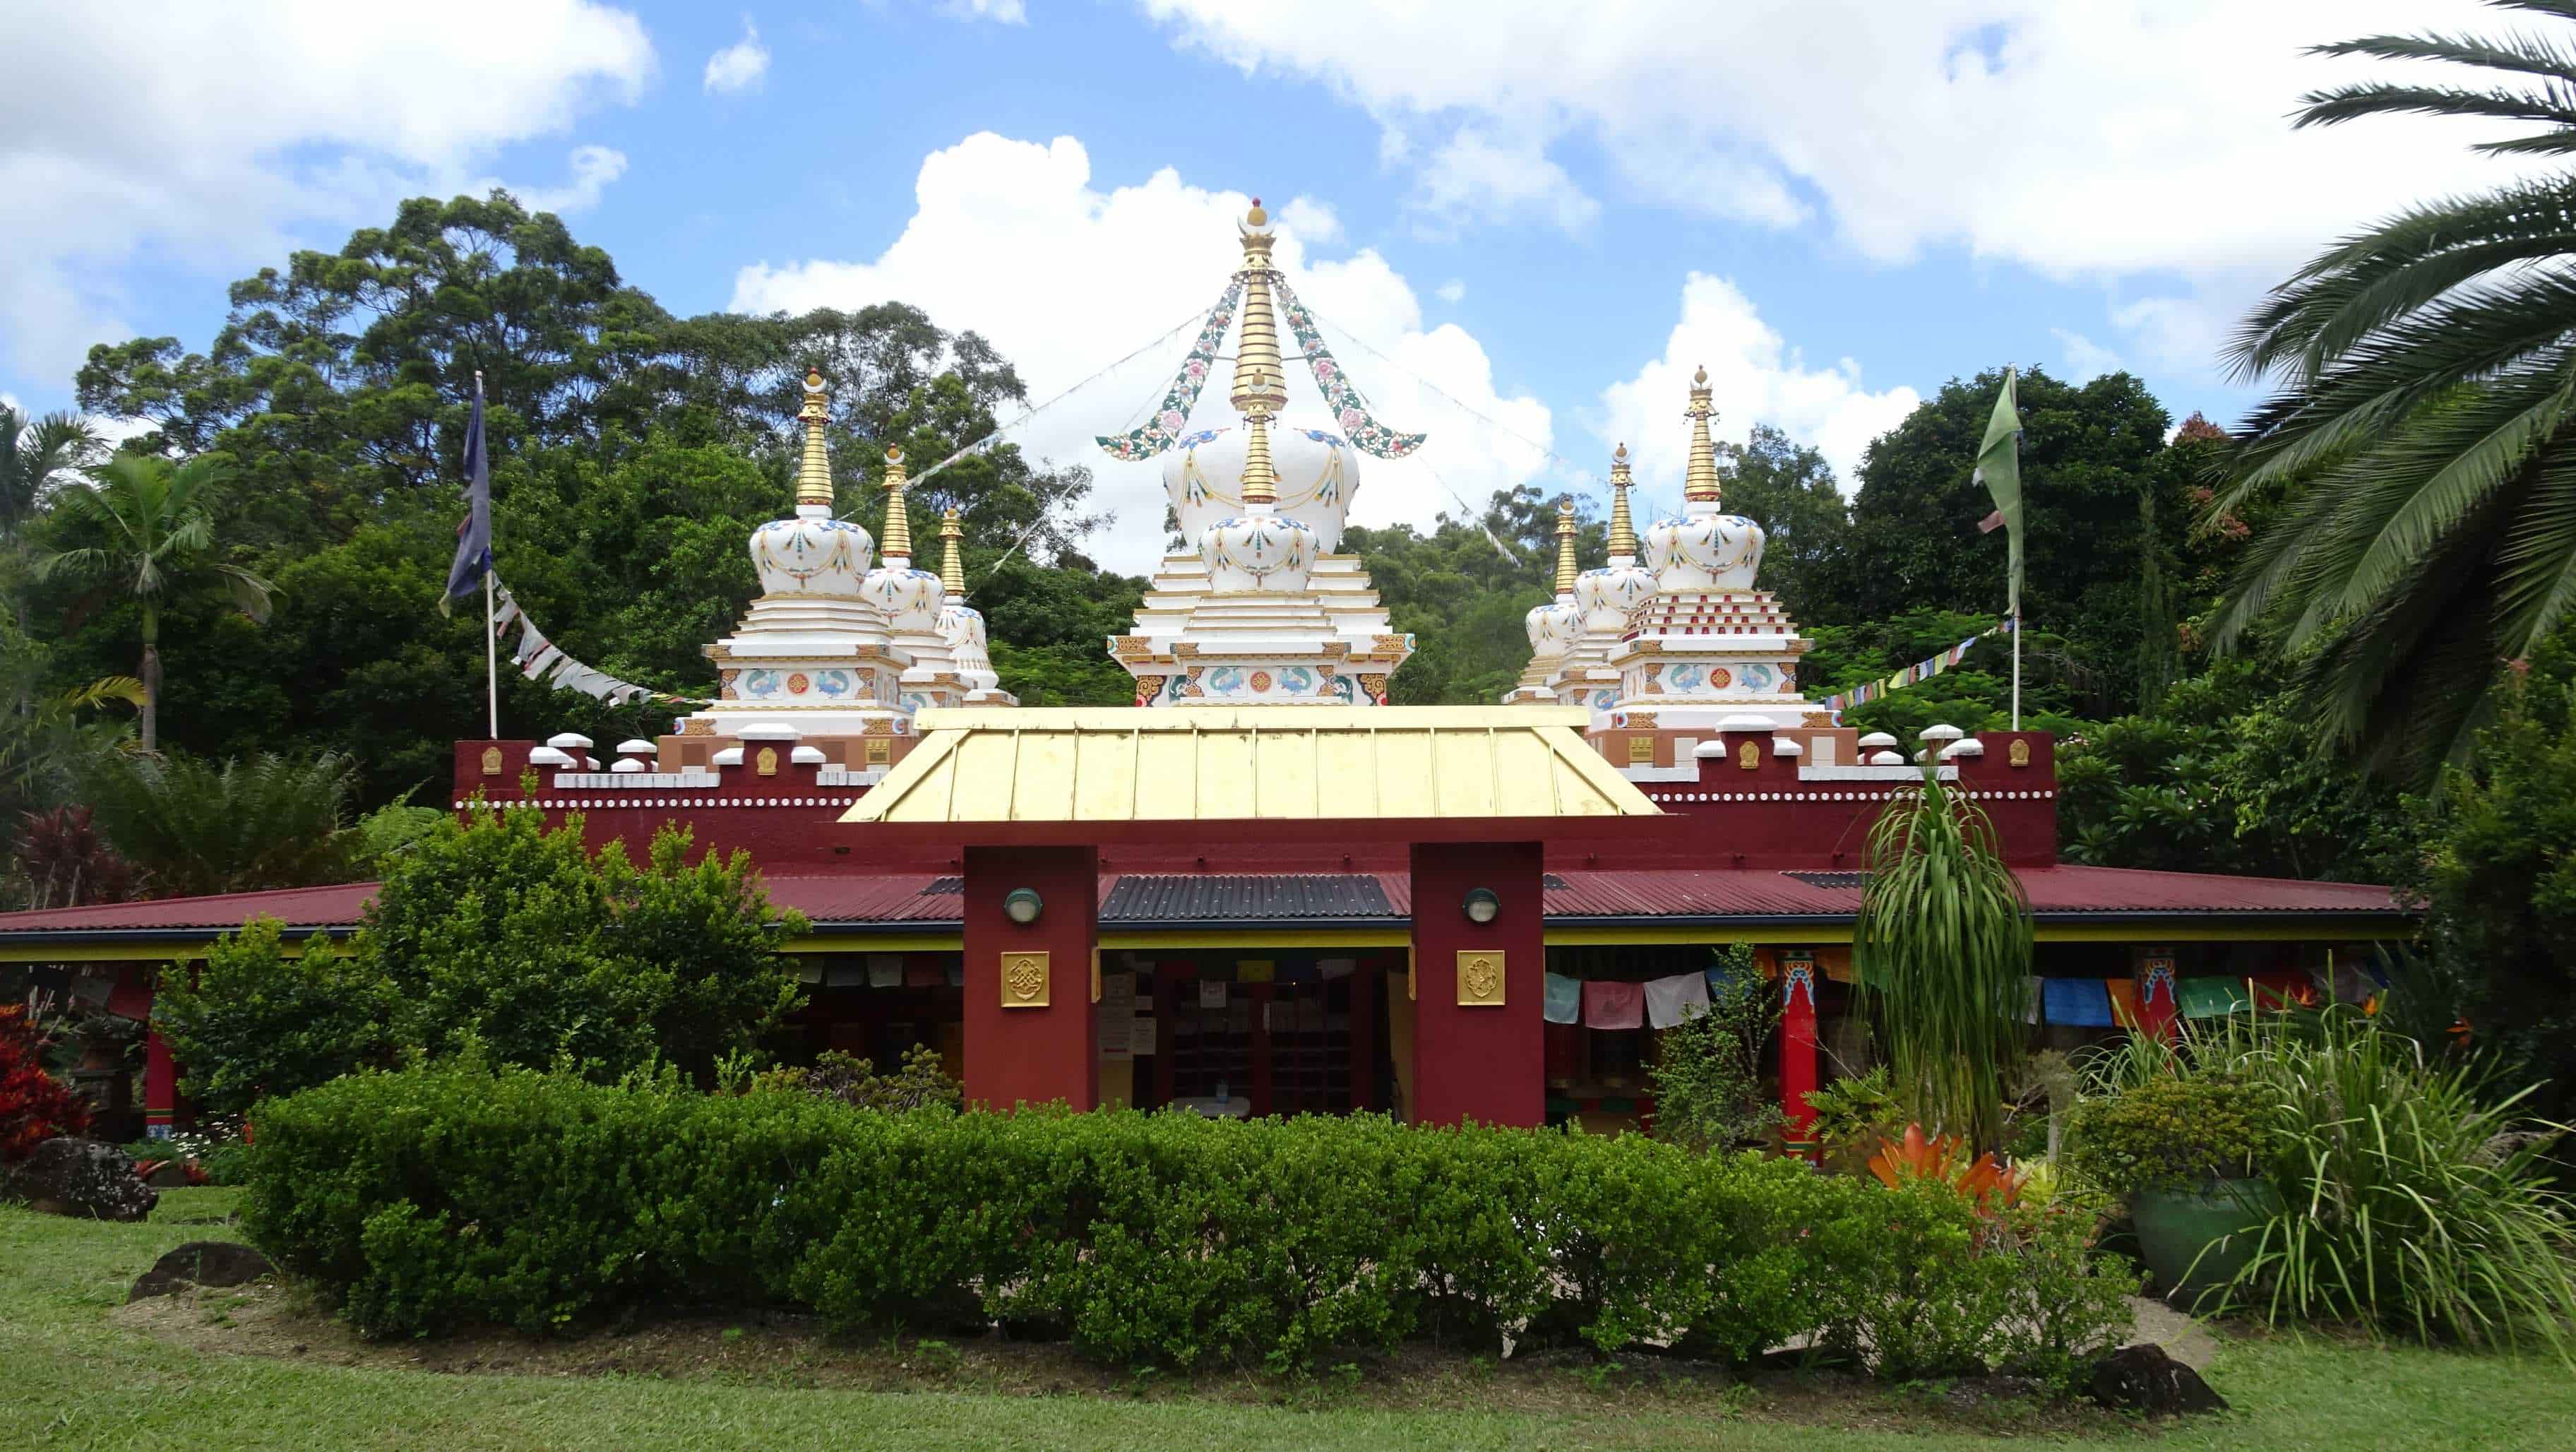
<point>1134,764</point>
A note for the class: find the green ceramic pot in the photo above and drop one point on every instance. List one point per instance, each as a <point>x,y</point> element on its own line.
<point>2176,1227</point>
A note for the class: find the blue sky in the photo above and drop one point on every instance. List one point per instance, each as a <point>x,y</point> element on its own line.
<point>1544,214</point>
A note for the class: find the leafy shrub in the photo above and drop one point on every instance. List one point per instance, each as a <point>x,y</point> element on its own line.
<point>34,1105</point>
<point>511,938</point>
<point>2168,1132</point>
<point>2413,1198</point>
<point>441,1196</point>
<point>1708,1070</point>
<point>1854,1115</point>
<point>922,1082</point>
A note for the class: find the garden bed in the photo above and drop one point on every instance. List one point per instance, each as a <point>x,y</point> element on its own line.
<point>796,1351</point>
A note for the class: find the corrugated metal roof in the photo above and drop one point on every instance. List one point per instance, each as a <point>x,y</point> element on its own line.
<point>1307,763</point>
<point>1215,897</point>
<point>2054,891</point>
<point>1290,899</point>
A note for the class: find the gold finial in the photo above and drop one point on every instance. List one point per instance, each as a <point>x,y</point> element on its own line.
<point>1260,478</point>
<point>814,475</point>
<point>1623,529</point>
<point>952,571</point>
<point>897,544</point>
<point>1699,484</point>
<point>1565,545</point>
<point>1260,376</point>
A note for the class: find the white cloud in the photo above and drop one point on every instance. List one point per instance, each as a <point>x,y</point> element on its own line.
<point>223,126</point>
<point>1314,223</point>
<point>1452,291</point>
<point>1755,377</point>
<point>2096,140</point>
<point>1477,177</point>
<point>741,66</point>
<point>1000,12</point>
<point>1011,239</point>
<point>592,167</point>
<point>2085,359</point>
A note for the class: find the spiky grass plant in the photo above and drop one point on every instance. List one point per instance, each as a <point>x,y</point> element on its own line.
<point>2414,1199</point>
<point>1941,955</point>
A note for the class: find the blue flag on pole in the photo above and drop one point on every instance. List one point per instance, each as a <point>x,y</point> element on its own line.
<point>474,536</point>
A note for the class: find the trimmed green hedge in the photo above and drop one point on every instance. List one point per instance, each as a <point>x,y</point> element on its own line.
<point>432,1198</point>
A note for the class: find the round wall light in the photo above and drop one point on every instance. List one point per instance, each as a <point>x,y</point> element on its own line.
<point>1481,905</point>
<point>1023,905</point>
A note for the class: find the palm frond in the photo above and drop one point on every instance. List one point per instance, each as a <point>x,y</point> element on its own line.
<point>2383,98</point>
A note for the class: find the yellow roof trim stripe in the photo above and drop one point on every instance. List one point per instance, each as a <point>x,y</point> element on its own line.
<point>1130,764</point>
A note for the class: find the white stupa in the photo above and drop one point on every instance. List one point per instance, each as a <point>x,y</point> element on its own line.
<point>1706,647</point>
<point>813,651</point>
<point>961,625</point>
<point>912,599</point>
<point>1553,625</point>
<point>1256,609</point>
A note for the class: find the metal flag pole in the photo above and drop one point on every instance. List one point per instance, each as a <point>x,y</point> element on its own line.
<point>491,635</point>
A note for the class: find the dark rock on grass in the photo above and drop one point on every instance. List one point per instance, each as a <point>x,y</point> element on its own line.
<point>80,1177</point>
<point>2143,1379</point>
<point>202,1263</point>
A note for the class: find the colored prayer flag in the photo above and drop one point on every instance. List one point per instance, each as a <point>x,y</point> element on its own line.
<point>1999,469</point>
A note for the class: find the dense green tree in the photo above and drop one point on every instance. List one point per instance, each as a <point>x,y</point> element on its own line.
<point>2086,453</point>
<point>633,454</point>
<point>2495,866</point>
<point>1463,589</point>
<point>142,531</point>
<point>506,939</point>
<point>1788,489</point>
<point>2426,368</point>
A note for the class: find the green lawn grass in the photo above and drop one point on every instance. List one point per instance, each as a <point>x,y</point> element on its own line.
<point>72,1376</point>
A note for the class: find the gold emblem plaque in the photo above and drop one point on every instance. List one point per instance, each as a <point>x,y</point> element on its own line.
<point>491,761</point>
<point>766,763</point>
<point>1749,756</point>
<point>1480,979</point>
<point>1024,980</point>
<point>2019,755</point>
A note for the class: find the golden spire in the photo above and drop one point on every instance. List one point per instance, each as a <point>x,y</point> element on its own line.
<point>814,475</point>
<point>1565,545</point>
<point>952,572</point>
<point>897,543</point>
<point>1260,477</point>
<point>1700,483</point>
<point>1623,530</point>
<point>1260,377</point>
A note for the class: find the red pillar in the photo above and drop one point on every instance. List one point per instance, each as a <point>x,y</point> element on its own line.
<point>1798,1050</point>
<point>1483,1062</point>
<point>2159,999</point>
<point>1018,1052</point>
<point>160,1087</point>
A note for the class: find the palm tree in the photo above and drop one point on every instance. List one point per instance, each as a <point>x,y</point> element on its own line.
<point>34,456</point>
<point>2425,422</point>
<point>158,534</point>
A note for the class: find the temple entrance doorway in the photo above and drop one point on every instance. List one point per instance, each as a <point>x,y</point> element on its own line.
<point>1233,1035</point>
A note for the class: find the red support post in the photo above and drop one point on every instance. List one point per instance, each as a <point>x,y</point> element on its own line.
<point>1030,1035</point>
<point>1798,1051</point>
<point>2159,998</point>
<point>1479,1047</point>
<point>160,1087</point>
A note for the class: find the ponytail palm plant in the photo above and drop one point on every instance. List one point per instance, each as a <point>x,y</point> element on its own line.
<point>1941,952</point>
<point>2424,427</point>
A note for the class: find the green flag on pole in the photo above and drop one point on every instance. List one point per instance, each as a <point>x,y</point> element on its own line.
<point>1999,469</point>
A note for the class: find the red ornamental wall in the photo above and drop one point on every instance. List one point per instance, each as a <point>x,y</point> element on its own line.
<point>1764,817</point>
